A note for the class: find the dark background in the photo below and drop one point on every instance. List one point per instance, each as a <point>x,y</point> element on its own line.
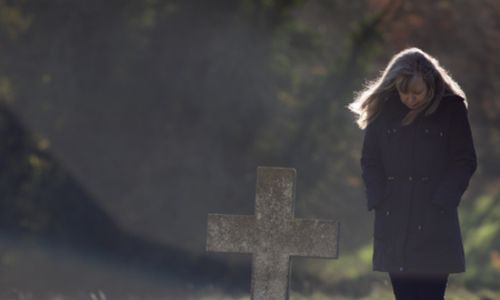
<point>124,123</point>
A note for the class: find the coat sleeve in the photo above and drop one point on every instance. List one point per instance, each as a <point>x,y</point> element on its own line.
<point>373,172</point>
<point>461,161</point>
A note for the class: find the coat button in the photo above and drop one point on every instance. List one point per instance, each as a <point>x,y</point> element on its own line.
<point>401,269</point>
<point>441,133</point>
<point>426,130</point>
<point>419,227</point>
<point>387,213</point>
<point>394,130</point>
<point>410,178</point>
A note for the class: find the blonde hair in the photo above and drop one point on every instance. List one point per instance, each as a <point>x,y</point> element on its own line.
<point>403,66</point>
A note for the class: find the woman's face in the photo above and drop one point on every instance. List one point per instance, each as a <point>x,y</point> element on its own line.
<point>416,94</point>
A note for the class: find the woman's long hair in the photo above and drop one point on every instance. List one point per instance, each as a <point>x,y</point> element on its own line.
<point>401,69</point>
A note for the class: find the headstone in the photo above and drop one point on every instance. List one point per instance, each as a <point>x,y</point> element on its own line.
<point>272,235</point>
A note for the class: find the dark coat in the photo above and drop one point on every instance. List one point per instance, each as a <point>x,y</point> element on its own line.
<point>414,179</point>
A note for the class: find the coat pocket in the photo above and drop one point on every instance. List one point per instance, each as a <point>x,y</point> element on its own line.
<point>438,224</point>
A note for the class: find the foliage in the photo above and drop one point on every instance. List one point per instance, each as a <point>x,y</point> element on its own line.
<point>482,241</point>
<point>191,96</point>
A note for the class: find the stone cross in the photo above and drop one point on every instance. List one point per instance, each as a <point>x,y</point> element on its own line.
<point>272,235</point>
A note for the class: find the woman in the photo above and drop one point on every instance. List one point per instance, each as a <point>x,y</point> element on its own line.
<point>417,159</point>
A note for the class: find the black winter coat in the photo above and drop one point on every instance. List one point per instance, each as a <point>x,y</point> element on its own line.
<point>414,179</point>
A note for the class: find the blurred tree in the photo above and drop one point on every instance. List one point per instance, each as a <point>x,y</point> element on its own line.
<point>163,108</point>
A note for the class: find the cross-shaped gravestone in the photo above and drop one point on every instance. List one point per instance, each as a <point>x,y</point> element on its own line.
<point>272,235</point>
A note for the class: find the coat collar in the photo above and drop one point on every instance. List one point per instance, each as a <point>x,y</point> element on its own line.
<point>395,110</point>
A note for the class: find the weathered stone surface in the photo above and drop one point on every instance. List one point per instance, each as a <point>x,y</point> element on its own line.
<point>272,235</point>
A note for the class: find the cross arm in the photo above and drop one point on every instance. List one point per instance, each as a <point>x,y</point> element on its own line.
<point>315,238</point>
<point>230,233</point>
